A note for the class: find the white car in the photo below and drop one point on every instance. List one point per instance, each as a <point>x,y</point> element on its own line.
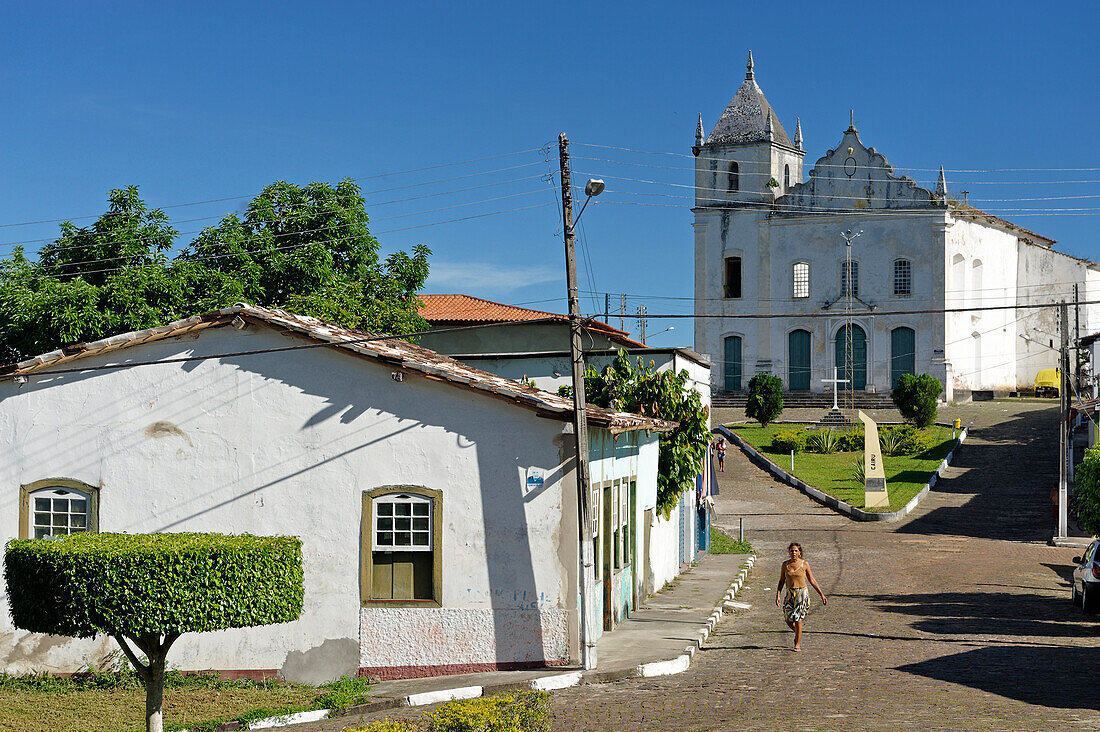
<point>1085,583</point>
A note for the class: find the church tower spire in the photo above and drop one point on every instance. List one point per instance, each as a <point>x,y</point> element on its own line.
<point>941,186</point>
<point>699,132</point>
<point>798,133</point>
<point>749,75</point>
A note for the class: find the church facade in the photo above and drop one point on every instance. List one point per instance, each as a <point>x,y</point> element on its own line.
<point>928,284</point>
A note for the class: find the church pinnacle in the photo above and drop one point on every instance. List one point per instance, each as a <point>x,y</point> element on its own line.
<point>797,132</point>
<point>749,74</point>
<point>941,185</point>
<point>699,132</point>
<point>768,132</point>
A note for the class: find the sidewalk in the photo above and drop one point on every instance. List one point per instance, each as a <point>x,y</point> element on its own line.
<point>656,634</point>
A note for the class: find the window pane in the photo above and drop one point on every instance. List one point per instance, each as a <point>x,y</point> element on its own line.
<point>61,519</point>
<point>385,509</point>
<point>420,539</point>
<point>384,538</point>
<point>402,538</point>
<point>40,533</point>
<point>385,523</point>
<point>42,519</point>
<point>402,509</point>
<point>78,521</point>
<point>403,524</point>
<point>61,505</point>
<point>420,509</point>
<point>78,505</point>
<point>420,524</point>
<point>41,504</point>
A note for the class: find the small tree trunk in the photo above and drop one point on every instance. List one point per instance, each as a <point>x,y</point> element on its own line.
<point>154,692</point>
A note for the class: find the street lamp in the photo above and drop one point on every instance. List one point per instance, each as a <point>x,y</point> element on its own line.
<point>666,330</point>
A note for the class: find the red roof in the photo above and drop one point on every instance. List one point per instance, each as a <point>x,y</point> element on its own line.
<point>465,309</point>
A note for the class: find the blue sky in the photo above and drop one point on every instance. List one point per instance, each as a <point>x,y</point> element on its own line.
<point>214,100</point>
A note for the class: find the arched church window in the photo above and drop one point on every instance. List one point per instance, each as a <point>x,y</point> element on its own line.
<point>786,178</point>
<point>734,178</point>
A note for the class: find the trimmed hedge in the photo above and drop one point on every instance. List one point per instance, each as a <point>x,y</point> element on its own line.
<point>787,440</point>
<point>138,584</point>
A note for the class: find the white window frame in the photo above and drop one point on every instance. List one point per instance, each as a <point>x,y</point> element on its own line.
<point>46,502</point>
<point>903,280</point>
<point>386,522</point>
<point>844,277</point>
<point>795,280</point>
<point>595,514</point>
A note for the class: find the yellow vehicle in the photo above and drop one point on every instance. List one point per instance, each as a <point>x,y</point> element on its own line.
<point>1048,382</point>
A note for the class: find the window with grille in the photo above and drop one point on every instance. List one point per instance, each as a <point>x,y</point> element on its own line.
<point>59,512</point>
<point>800,278</point>
<point>849,278</point>
<point>402,550</point>
<point>903,278</point>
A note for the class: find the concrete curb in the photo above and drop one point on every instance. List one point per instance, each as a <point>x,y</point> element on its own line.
<point>857,514</point>
<point>676,665</point>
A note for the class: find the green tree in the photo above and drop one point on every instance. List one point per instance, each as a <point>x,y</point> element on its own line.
<point>915,396</point>
<point>665,395</point>
<point>1087,491</point>
<point>765,398</point>
<point>145,590</point>
<point>304,249</point>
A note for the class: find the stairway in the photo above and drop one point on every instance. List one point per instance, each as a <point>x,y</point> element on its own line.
<point>796,399</point>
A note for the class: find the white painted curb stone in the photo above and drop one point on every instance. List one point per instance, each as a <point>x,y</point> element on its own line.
<point>561,681</point>
<point>446,695</point>
<point>298,718</point>
<point>665,668</point>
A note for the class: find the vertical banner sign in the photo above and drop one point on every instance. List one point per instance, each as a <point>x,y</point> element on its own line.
<point>874,486</point>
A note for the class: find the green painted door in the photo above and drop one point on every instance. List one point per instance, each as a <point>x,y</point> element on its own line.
<point>798,365</point>
<point>903,353</point>
<point>859,357</point>
<point>732,364</point>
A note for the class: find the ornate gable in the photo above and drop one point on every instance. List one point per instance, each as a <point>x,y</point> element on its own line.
<point>853,177</point>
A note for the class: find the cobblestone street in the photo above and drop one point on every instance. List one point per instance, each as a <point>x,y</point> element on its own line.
<point>956,618</point>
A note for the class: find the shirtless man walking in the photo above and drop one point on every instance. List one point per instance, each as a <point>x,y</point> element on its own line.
<point>794,575</point>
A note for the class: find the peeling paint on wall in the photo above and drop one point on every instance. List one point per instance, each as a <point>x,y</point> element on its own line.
<point>332,659</point>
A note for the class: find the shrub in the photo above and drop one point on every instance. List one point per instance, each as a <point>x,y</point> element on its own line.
<point>396,725</point>
<point>910,440</point>
<point>345,692</point>
<point>891,442</point>
<point>765,402</point>
<point>825,442</point>
<point>915,397</point>
<point>1087,491</point>
<point>524,711</point>
<point>786,440</point>
<point>859,472</point>
<point>147,589</point>
<point>850,440</point>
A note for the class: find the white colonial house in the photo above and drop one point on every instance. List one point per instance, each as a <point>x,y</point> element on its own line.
<point>768,242</point>
<point>436,503</point>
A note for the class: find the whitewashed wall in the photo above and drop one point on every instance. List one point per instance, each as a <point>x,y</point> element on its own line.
<point>286,443</point>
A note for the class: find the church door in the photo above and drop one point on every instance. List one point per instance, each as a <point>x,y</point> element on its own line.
<point>731,368</point>
<point>859,356</point>
<point>903,353</point>
<point>798,364</point>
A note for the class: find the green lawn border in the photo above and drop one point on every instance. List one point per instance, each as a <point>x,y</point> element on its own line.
<point>825,499</point>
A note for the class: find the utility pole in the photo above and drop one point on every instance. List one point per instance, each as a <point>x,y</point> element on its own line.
<point>622,311</point>
<point>641,324</point>
<point>1076,338</point>
<point>1063,428</point>
<point>607,308</point>
<point>580,422</point>
<point>849,291</point>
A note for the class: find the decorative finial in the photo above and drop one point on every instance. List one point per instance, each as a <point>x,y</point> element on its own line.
<point>699,131</point>
<point>941,185</point>
<point>749,65</point>
<point>768,132</point>
<point>851,120</point>
<point>798,133</point>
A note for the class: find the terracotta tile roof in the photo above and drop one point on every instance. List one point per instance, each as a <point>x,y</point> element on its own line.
<point>458,309</point>
<point>393,352</point>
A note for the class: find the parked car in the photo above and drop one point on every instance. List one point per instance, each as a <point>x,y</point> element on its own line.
<point>1085,584</point>
<point>1048,382</point>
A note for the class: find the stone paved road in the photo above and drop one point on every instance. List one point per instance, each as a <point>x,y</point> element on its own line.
<point>957,618</point>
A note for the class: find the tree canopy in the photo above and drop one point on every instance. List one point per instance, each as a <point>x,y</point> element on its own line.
<point>306,249</point>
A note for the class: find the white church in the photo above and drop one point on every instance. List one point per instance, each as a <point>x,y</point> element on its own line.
<point>769,241</point>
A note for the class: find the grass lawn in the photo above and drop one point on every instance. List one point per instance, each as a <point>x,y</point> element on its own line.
<point>721,543</point>
<point>61,704</point>
<point>906,475</point>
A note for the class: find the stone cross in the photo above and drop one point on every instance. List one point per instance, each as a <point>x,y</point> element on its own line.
<point>836,383</point>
